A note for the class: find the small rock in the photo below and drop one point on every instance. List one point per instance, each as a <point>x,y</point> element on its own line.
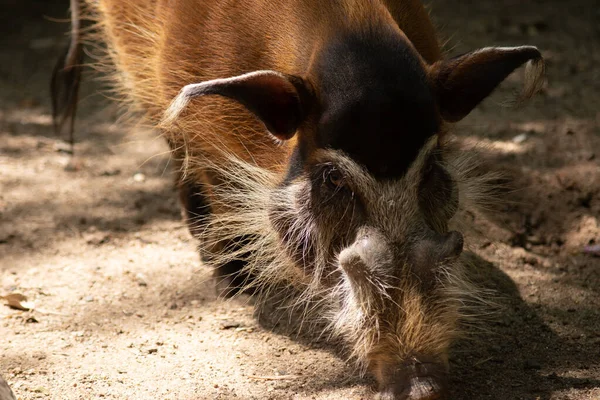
<point>520,138</point>
<point>141,280</point>
<point>229,325</point>
<point>535,240</point>
<point>532,127</point>
<point>41,389</point>
<point>74,165</point>
<point>110,172</point>
<point>152,351</point>
<point>31,320</point>
<point>96,238</point>
<point>63,147</point>
<point>139,177</point>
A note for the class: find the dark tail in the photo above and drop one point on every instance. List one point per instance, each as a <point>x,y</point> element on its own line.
<point>64,87</point>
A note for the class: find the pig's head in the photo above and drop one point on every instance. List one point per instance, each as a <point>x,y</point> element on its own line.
<point>364,207</point>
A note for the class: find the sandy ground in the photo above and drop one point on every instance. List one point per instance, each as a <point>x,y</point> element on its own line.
<point>125,310</point>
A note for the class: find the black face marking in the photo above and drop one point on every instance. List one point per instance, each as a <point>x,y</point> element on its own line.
<point>196,206</point>
<point>377,105</point>
<point>295,167</point>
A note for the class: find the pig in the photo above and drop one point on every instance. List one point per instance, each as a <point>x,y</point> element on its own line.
<point>313,148</point>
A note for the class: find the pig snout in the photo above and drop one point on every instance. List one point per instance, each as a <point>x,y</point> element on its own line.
<point>415,379</point>
<point>374,264</point>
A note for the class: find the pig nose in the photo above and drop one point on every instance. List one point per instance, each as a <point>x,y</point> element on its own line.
<point>416,381</point>
<point>421,389</point>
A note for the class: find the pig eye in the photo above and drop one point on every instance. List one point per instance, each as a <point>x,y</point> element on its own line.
<point>334,178</point>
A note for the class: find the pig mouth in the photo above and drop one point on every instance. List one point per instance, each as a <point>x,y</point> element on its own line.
<point>421,388</point>
<point>415,380</point>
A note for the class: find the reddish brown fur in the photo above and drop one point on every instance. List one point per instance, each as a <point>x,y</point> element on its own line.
<point>163,45</point>
<point>159,46</point>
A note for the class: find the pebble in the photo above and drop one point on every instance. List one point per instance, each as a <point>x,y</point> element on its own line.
<point>139,177</point>
<point>520,138</point>
<point>141,279</point>
<point>110,172</point>
<point>229,325</point>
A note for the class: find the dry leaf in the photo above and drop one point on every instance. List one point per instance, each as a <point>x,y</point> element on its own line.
<point>18,302</point>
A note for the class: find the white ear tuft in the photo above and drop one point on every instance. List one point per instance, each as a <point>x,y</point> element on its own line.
<point>278,100</point>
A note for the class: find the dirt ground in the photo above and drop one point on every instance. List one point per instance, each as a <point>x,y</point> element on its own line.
<point>125,310</point>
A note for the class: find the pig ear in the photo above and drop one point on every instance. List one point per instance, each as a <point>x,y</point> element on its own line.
<point>463,82</point>
<point>279,101</point>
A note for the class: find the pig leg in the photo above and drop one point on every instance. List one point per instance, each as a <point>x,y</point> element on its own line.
<point>230,277</point>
